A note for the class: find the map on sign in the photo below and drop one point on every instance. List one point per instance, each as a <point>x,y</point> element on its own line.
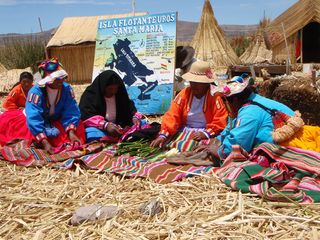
<point>142,51</point>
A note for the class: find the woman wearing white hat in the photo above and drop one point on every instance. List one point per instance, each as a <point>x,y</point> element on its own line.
<point>51,116</point>
<point>255,119</point>
<point>194,110</point>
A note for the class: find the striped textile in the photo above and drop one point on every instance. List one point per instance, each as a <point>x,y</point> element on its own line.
<point>274,172</point>
<point>183,141</point>
<point>21,154</point>
<point>155,168</point>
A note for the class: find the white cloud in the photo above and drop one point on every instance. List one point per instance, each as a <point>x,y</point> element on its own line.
<point>8,2</point>
<point>57,2</point>
<point>245,5</point>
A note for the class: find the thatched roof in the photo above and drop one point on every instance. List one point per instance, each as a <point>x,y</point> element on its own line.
<point>77,30</point>
<point>210,43</point>
<point>295,18</point>
<point>257,52</point>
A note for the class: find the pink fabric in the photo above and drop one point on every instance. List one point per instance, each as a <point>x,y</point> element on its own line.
<point>95,121</point>
<point>67,147</point>
<point>128,131</point>
<point>138,115</point>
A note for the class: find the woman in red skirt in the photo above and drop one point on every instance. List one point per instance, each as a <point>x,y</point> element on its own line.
<point>51,116</point>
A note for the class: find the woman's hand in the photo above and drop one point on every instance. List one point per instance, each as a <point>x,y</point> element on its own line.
<point>211,149</point>
<point>158,142</point>
<point>113,130</point>
<point>73,137</point>
<point>198,136</point>
<point>136,121</point>
<point>47,146</point>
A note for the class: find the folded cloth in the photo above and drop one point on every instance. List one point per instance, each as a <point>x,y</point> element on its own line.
<point>68,147</point>
<point>148,132</point>
<point>196,159</point>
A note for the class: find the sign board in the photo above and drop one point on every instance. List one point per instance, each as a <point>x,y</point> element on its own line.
<point>141,49</point>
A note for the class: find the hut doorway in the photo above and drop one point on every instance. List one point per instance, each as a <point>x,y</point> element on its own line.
<point>311,43</point>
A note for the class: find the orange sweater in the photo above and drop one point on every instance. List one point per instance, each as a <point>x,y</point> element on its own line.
<point>16,99</point>
<point>176,117</point>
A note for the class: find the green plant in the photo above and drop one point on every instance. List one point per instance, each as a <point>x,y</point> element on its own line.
<point>240,44</point>
<point>21,53</point>
<point>140,148</point>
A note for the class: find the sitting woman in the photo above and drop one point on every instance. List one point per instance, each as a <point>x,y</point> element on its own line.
<point>194,113</point>
<point>106,108</point>
<point>255,119</point>
<point>16,99</point>
<point>51,116</point>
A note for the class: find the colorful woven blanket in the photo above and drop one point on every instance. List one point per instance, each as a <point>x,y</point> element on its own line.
<point>271,171</point>
<point>184,142</point>
<point>94,156</point>
<point>274,172</point>
<point>155,168</point>
<point>21,154</point>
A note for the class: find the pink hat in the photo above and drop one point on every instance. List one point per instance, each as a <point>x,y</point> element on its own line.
<point>232,87</point>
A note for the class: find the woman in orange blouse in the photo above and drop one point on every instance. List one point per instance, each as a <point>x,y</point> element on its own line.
<point>194,109</point>
<point>16,99</point>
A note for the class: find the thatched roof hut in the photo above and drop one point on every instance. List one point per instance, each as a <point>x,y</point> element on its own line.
<point>210,43</point>
<point>302,30</point>
<point>74,44</point>
<point>257,52</point>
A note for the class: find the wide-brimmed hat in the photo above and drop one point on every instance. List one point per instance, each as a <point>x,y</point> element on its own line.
<point>50,70</point>
<point>199,72</point>
<point>234,86</point>
<point>184,56</point>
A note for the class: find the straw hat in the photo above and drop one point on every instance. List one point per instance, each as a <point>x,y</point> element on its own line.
<point>184,56</point>
<point>50,70</point>
<point>199,72</point>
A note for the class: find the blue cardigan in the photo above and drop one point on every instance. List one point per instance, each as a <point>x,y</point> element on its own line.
<point>252,126</point>
<point>37,110</point>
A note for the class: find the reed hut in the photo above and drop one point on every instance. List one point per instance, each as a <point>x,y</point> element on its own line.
<point>74,44</point>
<point>210,43</point>
<point>295,34</point>
<point>257,52</point>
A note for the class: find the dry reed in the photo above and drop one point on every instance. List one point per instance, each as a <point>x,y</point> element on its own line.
<point>37,203</point>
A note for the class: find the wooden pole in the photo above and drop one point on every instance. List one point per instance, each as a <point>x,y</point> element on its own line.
<point>40,24</point>
<point>45,49</point>
<point>288,72</point>
<point>134,7</point>
<point>253,72</point>
<point>301,40</point>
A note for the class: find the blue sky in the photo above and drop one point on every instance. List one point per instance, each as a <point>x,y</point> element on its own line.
<point>21,16</point>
